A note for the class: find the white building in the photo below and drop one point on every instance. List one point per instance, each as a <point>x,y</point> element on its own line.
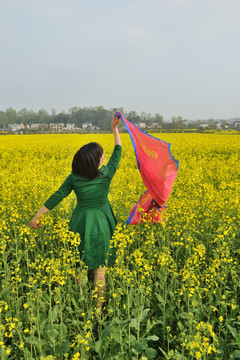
<point>87,125</point>
<point>15,127</point>
<point>39,126</point>
<point>201,124</point>
<point>56,127</point>
<point>141,125</point>
<point>237,125</point>
<point>35,126</point>
<point>70,126</point>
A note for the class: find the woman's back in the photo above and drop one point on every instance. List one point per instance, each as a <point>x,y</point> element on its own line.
<point>91,193</point>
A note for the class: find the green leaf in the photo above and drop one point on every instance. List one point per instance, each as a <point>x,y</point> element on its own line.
<point>27,353</point>
<point>43,323</point>
<point>107,331</point>
<point>153,338</point>
<point>160,299</point>
<point>139,346</point>
<point>169,312</point>
<point>235,334</point>
<point>149,325</point>
<point>114,335</point>
<point>63,348</point>
<point>144,314</point>
<point>63,329</point>
<point>183,315</point>
<point>32,340</point>
<point>134,323</point>
<point>236,354</point>
<point>132,338</point>
<point>171,294</point>
<point>181,326</point>
<point>151,353</point>
<point>54,313</point>
<point>69,309</point>
<point>98,345</point>
<point>52,335</point>
<point>46,297</point>
<point>130,298</point>
<point>233,331</point>
<point>164,353</point>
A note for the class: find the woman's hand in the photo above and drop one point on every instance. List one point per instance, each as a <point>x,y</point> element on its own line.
<point>35,223</point>
<point>115,121</point>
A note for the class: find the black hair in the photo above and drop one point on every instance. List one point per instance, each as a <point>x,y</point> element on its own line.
<point>87,159</point>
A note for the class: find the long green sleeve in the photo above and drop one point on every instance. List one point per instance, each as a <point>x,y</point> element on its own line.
<point>64,190</point>
<point>114,160</point>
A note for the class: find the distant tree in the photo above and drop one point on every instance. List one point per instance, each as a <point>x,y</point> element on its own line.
<point>103,117</point>
<point>61,118</point>
<point>158,119</point>
<point>133,117</point>
<point>3,119</point>
<point>145,117</point>
<point>53,111</point>
<point>11,115</point>
<point>223,124</point>
<point>43,117</point>
<point>177,122</point>
<point>26,116</point>
<point>211,124</point>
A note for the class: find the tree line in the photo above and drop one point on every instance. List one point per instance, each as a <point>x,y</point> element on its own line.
<point>98,116</point>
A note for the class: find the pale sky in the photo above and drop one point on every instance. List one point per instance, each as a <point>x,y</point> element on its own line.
<point>172,57</point>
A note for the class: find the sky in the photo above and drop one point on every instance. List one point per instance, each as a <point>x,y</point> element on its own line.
<point>172,57</point>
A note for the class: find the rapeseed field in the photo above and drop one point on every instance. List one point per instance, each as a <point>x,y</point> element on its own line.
<point>174,290</point>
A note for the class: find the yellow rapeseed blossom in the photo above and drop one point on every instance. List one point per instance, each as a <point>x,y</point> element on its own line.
<point>181,274</point>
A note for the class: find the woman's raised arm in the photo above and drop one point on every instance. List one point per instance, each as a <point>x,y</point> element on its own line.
<point>115,122</point>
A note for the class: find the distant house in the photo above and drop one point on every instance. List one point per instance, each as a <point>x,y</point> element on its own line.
<point>155,125</point>
<point>201,124</point>
<point>56,127</point>
<point>237,125</point>
<point>15,127</point>
<point>39,126</point>
<point>70,126</point>
<point>87,126</point>
<point>141,125</point>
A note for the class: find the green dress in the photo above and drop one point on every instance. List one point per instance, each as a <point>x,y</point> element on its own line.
<point>93,217</point>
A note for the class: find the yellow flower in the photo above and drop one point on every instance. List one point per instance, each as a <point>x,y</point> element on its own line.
<point>76,356</point>
<point>198,355</point>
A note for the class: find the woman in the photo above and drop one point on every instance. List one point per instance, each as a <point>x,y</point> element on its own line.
<point>93,217</point>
